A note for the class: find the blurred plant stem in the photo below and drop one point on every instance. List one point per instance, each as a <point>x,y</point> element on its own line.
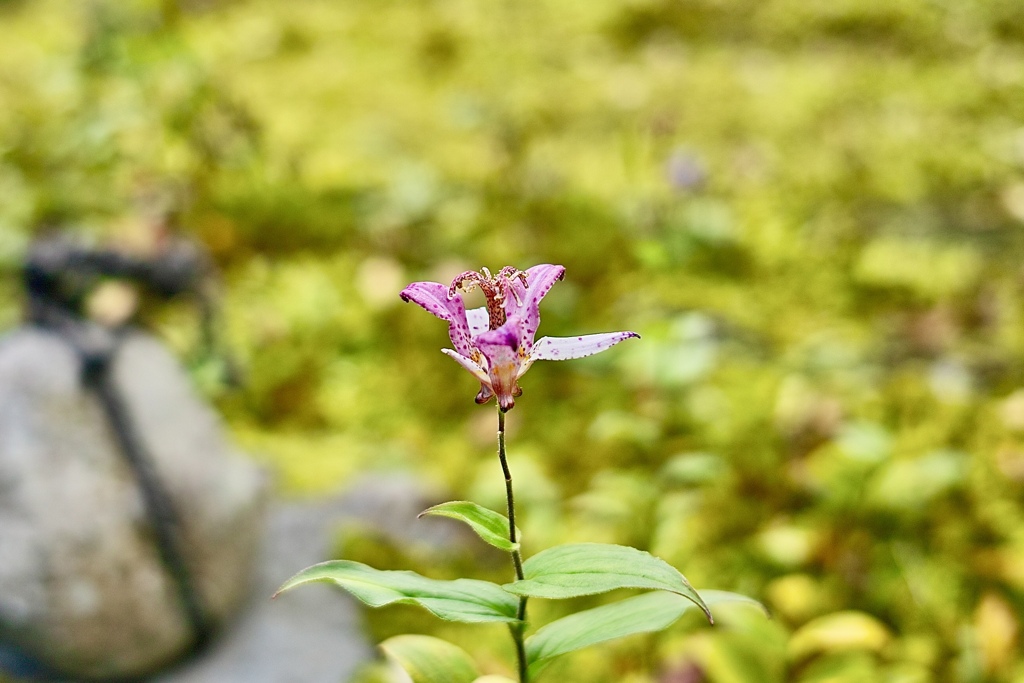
<point>517,558</point>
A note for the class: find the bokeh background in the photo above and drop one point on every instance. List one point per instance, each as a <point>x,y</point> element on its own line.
<point>812,210</point>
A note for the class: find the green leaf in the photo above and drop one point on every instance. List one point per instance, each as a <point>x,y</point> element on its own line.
<point>713,597</point>
<point>568,571</point>
<point>488,524</point>
<point>430,660</point>
<point>465,600</point>
<point>641,614</point>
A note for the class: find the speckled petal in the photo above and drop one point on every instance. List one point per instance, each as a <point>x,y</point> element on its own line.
<point>473,368</point>
<point>500,347</point>
<point>479,321</point>
<point>433,296</point>
<point>540,280</point>
<point>567,348</point>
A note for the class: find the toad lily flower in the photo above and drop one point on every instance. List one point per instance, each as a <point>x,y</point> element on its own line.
<point>495,343</point>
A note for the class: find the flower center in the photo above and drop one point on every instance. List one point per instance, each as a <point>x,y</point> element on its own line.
<point>496,289</point>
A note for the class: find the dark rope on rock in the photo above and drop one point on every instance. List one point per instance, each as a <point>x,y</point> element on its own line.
<point>165,519</point>
<point>57,275</point>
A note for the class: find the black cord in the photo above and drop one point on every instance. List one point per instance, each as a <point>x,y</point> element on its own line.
<point>166,521</point>
<point>58,275</point>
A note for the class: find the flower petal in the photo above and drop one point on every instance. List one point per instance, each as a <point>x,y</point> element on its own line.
<point>469,365</point>
<point>484,395</point>
<point>567,348</point>
<point>479,321</point>
<point>433,296</point>
<point>539,279</point>
<point>501,349</point>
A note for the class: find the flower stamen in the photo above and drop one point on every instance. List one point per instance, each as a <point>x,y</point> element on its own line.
<point>496,289</point>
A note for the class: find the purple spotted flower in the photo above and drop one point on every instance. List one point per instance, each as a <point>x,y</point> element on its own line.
<point>495,343</point>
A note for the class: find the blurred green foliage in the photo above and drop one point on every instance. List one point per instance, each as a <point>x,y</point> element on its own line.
<point>813,212</point>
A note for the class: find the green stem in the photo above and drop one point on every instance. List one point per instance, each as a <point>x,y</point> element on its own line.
<point>517,559</point>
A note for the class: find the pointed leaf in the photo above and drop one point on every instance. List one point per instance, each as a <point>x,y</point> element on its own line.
<point>464,600</point>
<point>489,525</point>
<point>568,571</point>
<point>430,660</point>
<point>641,614</point>
<point>713,597</point>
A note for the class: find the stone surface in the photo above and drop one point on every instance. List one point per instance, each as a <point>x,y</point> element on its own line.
<point>311,635</point>
<point>82,587</point>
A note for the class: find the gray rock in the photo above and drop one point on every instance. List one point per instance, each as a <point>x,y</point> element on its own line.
<point>309,635</point>
<point>82,586</point>
<point>313,634</point>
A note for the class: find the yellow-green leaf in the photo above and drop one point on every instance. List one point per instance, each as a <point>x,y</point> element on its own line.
<point>841,631</point>
<point>430,660</point>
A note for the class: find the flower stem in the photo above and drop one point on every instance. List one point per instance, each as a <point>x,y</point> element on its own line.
<point>517,559</point>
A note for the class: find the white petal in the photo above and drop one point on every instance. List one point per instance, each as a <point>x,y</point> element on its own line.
<point>567,348</point>
<point>469,365</point>
<point>479,321</point>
